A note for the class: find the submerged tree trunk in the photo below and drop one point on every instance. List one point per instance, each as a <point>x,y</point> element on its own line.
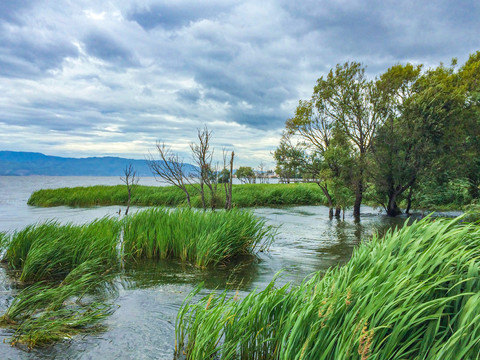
<point>338,211</point>
<point>329,199</point>
<point>358,199</point>
<point>129,199</point>
<point>392,208</point>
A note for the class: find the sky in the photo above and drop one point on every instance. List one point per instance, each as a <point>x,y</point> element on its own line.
<point>110,78</point>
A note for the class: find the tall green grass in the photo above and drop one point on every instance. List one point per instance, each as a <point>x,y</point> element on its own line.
<point>414,294</point>
<point>248,195</point>
<point>202,238</point>
<point>61,264</point>
<point>50,251</point>
<point>40,314</point>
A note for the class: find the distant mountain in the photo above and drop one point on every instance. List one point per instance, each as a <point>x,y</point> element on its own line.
<point>30,163</point>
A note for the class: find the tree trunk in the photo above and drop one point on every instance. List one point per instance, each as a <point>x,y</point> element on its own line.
<point>338,211</point>
<point>202,195</point>
<point>188,198</point>
<point>358,199</point>
<point>392,208</point>
<point>128,201</point>
<point>329,199</point>
<point>230,184</point>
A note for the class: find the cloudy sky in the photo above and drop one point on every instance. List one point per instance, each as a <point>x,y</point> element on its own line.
<point>93,78</point>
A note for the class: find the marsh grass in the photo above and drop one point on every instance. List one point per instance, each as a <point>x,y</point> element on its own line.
<point>50,251</point>
<point>248,195</point>
<point>61,266</point>
<point>414,294</point>
<point>46,312</point>
<point>202,238</point>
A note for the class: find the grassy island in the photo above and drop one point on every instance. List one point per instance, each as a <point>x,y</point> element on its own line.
<point>247,195</point>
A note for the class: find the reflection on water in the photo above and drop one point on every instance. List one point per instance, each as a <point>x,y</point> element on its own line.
<point>150,293</point>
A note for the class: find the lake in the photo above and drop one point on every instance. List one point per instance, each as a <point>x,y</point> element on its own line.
<point>150,293</point>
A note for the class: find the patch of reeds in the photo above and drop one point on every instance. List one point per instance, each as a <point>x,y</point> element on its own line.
<point>202,238</point>
<point>50,251</point>
<point>248,195</point>
<point>414,294</point>
<point>61,264</point>
<point>46,312</point>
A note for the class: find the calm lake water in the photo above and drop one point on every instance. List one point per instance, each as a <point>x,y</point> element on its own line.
<point>150,294</point>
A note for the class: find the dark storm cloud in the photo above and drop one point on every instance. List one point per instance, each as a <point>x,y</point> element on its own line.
<point>258,120</point>
<point>402,31</point>
<point>172,15</point>
<point>31,54</point>
<point>105,47</point>
<point>189,96</point>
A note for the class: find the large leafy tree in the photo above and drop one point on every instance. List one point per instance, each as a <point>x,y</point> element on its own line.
<point>394,161</point>
<point>469,77</point>
<point>353,104</point>
<point>326,154</point>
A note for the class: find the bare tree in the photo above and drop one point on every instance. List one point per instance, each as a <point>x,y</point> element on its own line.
<point>170,168</point>
<point>130,179</point>
<point>228,185</point>
<point>261,173</point>
<point>203,157</point>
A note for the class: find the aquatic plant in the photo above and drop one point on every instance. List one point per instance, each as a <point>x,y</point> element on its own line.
<point>46,312</point>
<point>414,294</point>
<point>50,250</point>
<point>248,195</point>
<point>61,264</point>
<point>202,238</point>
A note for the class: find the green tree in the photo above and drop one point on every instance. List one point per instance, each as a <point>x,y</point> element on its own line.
<point>246,174</point>
<point>354,106</point>
<point>469,75</point>
<point>325,152</point>
<point>289,159</point>
<point>395,165</point>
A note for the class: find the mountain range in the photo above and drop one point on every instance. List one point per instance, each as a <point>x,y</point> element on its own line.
<point>32,163</point>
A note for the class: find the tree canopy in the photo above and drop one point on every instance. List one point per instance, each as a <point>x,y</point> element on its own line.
<point>412,135</point>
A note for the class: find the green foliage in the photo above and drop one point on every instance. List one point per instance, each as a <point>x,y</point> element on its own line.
<point>63,263</point>
<point>248,195</point>
<point>38,313</point>
<point>412,295</point>
<point>50,251</point>
<point>202,238</point>
<point>407,132</point>
<point>246,174</point>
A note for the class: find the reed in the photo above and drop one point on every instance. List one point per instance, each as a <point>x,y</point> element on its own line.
<point>414,294</point>
<point>248,195</point>
<point>46,312</point>
<point>61,264</point>
<point>50,251</point>
<point>202,238</point>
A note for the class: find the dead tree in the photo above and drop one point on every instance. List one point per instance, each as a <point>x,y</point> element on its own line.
<point>203,156</point>
<point>261,173</point>
<point>130,179</point>
<point>170,168</point>
<point>228,186</point>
